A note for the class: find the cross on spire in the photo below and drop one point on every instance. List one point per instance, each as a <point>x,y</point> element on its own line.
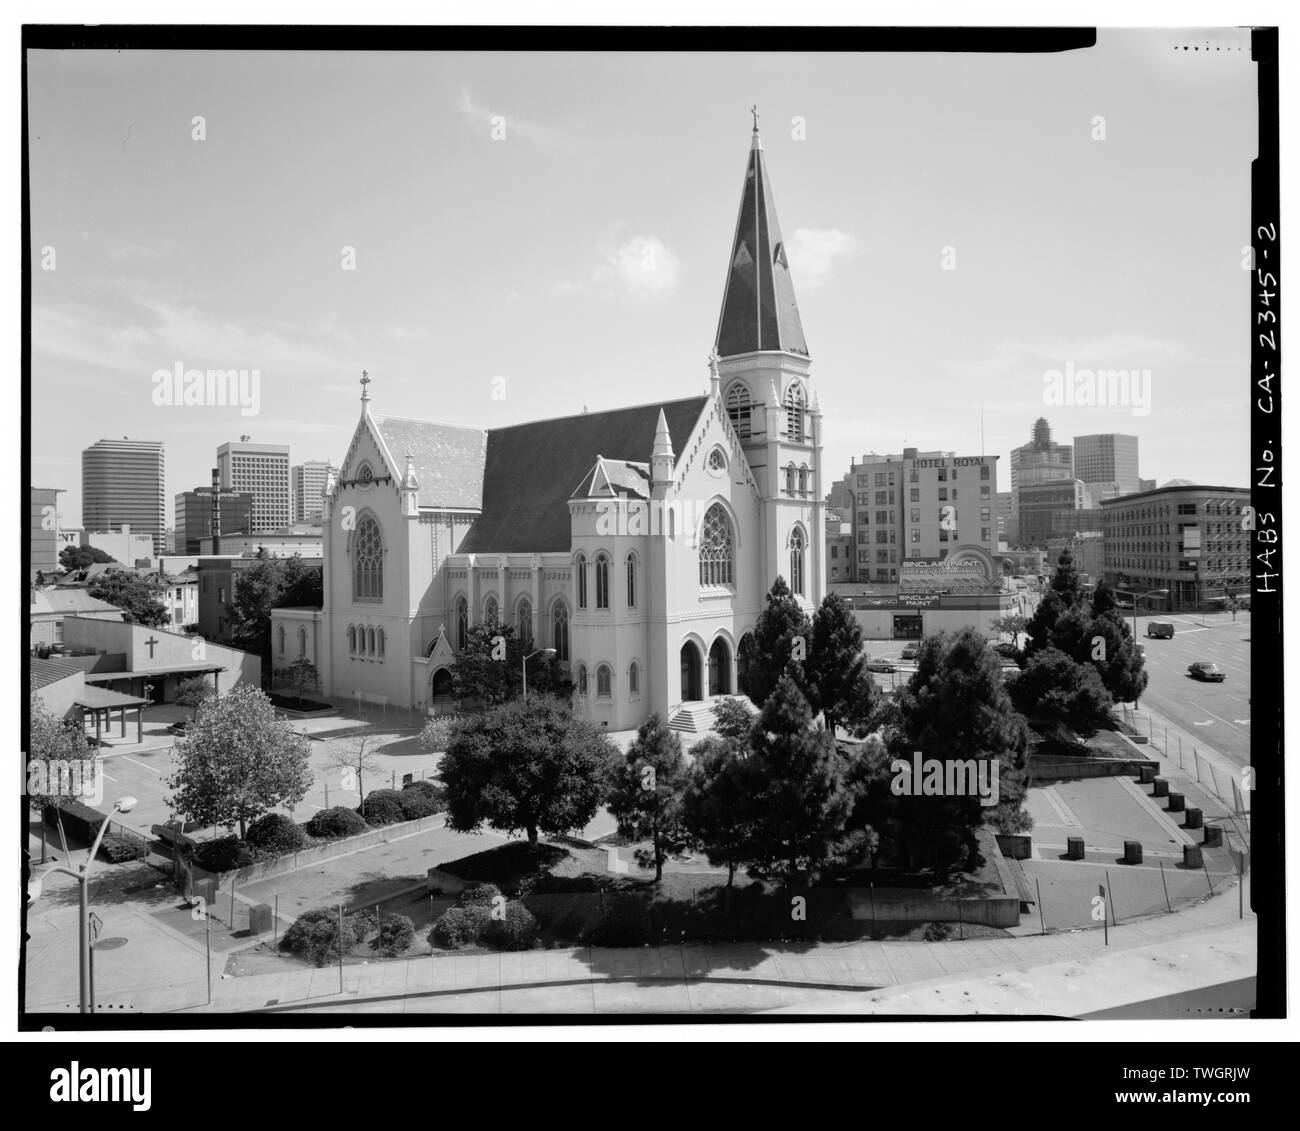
<point>365,380</point>
<point>754,110</point>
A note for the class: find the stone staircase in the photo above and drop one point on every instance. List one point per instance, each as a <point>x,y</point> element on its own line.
<point>697,717</point>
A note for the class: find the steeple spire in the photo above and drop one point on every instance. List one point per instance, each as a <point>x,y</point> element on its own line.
<point>759,311</point>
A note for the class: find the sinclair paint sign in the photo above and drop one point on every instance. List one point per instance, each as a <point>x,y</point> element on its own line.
<point>965,574</point>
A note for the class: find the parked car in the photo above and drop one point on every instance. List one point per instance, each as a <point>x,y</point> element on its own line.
<point>881,665</point>
<point>1160,629</point>
<point>911,651</point>
<point>1204,670</point>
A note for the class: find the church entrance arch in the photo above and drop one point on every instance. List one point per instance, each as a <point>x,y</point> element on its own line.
<point>441,699</point>
<point>719,668</point>
<point>692,662</point>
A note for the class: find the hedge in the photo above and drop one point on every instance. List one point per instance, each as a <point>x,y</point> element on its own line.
<point>314,935</point>
<point>459,927</point>
<point>276,833</point>
<point>382,807</point>
<point>330,824</point>
<point>223,854</point>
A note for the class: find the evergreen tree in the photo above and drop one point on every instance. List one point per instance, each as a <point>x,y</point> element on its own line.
<point>778,625</point>
<point>801,802</point>
<point>717,806</point>
<point>647,791</point>
<point>836,661</point>
<point>1055,688</point>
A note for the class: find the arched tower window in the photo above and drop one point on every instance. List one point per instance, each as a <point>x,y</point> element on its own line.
<point>524,623</point>
<point>794,407</point>
<point>580,568</point>
<point>796,561</point>
<point>789,479</point>
<point>462,622</point>
<point>803,479</point>
<point>560,630</point>
<point>602,581</point>
<point>717,548</point>
<point>738,409</point>
<point>631,581</point>
<point>368,561</point>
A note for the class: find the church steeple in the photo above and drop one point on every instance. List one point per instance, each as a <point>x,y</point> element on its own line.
<point>759,311</point>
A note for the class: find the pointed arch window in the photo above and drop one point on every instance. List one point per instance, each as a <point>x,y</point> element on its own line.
<point>803,479</point>
<point>602,581</point>
<point>794,409</point>
<point>797,545</point>
<point>560,631</point>
<point>379,642</point>
<point>524,623</point>
<point>634,680</point>
<point>281,639</point>
<point>739,408</point>
<point>580,568</point>
<point>789,479</point>
<point>631,581</point>
<point>302,640</point>
<point>490,611</point>
<point>370,641</point>
<point>462,623</point>
<point>368,561</point>
<point>582,679</point>
<point>604,682</point>
<point>352,639</point>
<point>717,548</point>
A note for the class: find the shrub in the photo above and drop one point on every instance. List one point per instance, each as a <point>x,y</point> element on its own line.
<point>330,824</point>
<point>276,833</point>
<point>479,895</point>
<point>624,922</point>
<point>547,884</point>
<point>517,931</point>
<point>224,854</point>
<point>395,935</point>
<point>459,927</point>
<point>382,807</point>
<point>314,936</point>
<point>422,799</point>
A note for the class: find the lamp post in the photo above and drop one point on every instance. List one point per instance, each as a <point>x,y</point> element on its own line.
<point>1137,597</point>
<point>524,665</point>
<point>36,882</point>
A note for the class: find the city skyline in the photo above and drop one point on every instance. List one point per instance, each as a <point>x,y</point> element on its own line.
<point>457,236</point>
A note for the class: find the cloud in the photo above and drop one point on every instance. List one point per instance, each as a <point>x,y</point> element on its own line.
<point>486,119</point>
<point>813,252</point>
<point>643,266</point>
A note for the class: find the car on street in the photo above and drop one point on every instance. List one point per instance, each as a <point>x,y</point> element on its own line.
<point>881,665</point>
<point>1160,629</point>
<point>1206,671</point>
<point>911,651</point>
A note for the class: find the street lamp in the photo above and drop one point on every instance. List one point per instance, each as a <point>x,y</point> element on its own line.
<point>524,665</point>
<point>36,882</point>
<point>1138,597</point>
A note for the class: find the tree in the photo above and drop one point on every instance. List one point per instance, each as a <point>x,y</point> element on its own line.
<point>778,625</point>
<point>1056,688</point>
<point>836,661</point>
<point>717,803</point>
<point>646,791</point>
<point>732,719</point>
<point>270,583</point>
<point>138,598</point>
<point>194,692</point>
<point>1103,599</point>
<point>1066,581</point>
<point>800,800</point>
<point>865,707</point>
<point>79,557</point>
<point>1038,631</point>
<point>1012,625</point>
<point>525,765</point>
<point>303,676</point>
<point>1113,652</point>
<point>60,764</point>
<point>237,761</point>
<point>357,757</point>
<point>956,707</point>
<point>490,668</point>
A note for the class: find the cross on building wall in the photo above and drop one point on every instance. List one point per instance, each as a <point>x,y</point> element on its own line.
<point>150,644</point>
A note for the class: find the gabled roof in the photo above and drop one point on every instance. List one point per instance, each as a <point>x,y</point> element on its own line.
<point>448,459</point>
<point>46,672</point>
<point>69,601</point>
<point>533,469</point>
<point>615,479</point>
<point>758,306</point>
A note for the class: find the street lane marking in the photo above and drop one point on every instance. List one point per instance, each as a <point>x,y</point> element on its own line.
<point>1222,720</point>
<point>127,758</point>
<point>1207,723</point>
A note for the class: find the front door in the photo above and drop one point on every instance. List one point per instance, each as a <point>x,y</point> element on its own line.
<point>691,689</point>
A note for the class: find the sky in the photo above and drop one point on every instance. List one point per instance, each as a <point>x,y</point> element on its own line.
<point>959,227</point>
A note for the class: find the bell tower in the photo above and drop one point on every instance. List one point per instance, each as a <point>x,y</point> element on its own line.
<point>763,380</point>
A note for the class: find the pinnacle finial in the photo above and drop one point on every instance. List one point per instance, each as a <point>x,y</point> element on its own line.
<point>365,392</point>
<point>754,110</point>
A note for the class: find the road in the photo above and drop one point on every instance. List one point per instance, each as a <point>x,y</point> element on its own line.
<point>1218,712</point>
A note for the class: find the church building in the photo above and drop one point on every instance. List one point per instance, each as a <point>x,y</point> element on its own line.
<point>638,543</point>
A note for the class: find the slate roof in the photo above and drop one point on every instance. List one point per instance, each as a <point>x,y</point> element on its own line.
<point>448,459</point>
<point>615,478</point>
<point>758,307</point>
<point>533,469</point>
<point>46,672</point>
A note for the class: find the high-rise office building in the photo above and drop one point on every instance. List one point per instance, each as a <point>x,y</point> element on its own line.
<point>1108,463</point>
<point>308,489</point>
<point>1040,461</point>
<point>124,482</point>
<point>43,531</point>
<point>263,471</point>
<point>194,517</point>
